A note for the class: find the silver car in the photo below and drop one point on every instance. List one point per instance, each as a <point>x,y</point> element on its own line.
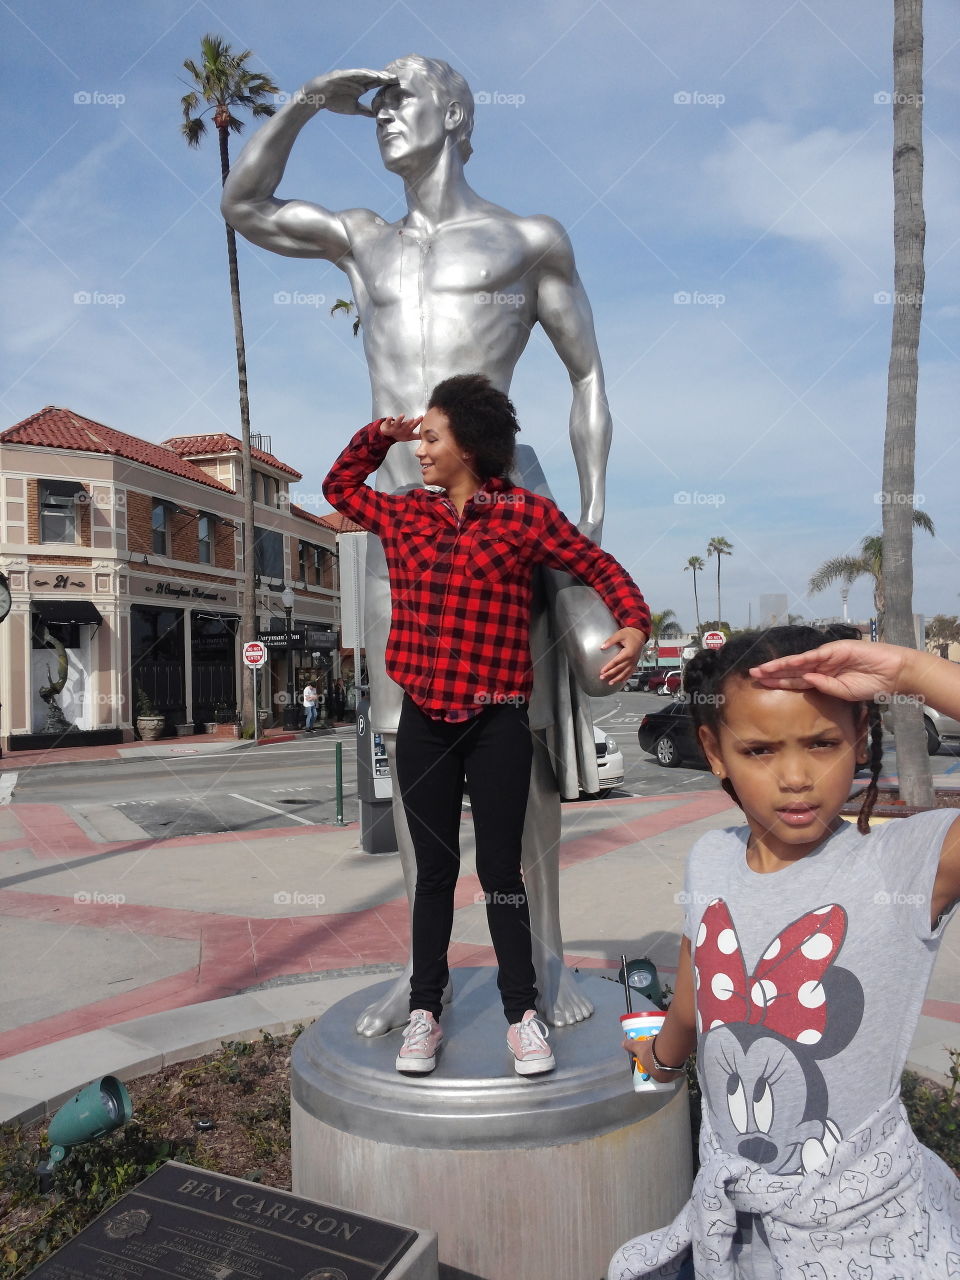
<point>942,731</point>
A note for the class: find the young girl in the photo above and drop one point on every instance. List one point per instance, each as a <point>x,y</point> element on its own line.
<point>461,563</point>
<point>807,949</point>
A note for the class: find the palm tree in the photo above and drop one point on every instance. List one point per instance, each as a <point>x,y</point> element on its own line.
<point>869,563</point>
<point>695,563</point>
<point>719,547</point>
<point>658,622</point>
<point>900,436</point>
<point>224,82</point>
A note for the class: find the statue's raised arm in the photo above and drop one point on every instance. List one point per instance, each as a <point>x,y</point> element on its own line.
<point>295,228</point>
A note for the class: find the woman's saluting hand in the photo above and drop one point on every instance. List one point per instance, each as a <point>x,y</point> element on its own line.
<point>401,428</point>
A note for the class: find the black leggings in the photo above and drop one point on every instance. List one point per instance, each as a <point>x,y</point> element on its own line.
<point>494,751</point>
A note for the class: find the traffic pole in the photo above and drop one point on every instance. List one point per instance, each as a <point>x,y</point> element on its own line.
<point>256,713</point>
<point>339,784</point>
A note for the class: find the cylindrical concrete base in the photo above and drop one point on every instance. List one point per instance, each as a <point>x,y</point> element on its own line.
<point>522,1179</point>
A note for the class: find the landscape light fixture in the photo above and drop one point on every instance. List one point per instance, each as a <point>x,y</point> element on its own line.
<point>642,979</point>
<point>94,1111</point>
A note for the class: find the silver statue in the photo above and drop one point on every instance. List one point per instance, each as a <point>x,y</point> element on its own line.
<point>456,285</point>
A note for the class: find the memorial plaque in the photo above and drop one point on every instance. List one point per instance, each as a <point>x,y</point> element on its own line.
<point>199,1225</point>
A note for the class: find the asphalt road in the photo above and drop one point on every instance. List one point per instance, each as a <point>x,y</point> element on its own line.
<point>286,784</point>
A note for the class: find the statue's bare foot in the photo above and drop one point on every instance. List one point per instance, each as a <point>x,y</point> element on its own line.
<point>392,1009</point>
<point>562,1002</point>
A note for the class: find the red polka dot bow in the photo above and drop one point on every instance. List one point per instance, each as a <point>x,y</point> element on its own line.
<point>785,991</point>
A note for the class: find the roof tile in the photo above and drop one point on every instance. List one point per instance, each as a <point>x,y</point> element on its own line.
<point>56,428</point>
<point>206,446</point>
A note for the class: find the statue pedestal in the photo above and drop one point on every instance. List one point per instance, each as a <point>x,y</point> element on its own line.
<point>522,1178</point>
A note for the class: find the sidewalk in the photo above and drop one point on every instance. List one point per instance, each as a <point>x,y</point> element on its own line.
<point>192,744</point>
<point>129,954</point>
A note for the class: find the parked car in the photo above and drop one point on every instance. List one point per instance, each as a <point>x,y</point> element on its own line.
<point>638,682</point>
<point>672,684</point>
<point>669,735</point>
<point>609,763</point>
<point>942,731</point>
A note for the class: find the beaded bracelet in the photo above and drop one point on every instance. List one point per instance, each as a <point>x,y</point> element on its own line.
<point>660,1065</point>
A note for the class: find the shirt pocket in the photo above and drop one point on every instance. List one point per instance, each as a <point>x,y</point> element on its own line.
<point>494,557</point>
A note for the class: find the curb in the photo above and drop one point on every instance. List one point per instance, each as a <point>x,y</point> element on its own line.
<point>34,1084</point>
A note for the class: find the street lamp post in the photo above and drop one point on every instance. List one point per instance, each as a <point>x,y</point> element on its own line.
<point>287,599</point>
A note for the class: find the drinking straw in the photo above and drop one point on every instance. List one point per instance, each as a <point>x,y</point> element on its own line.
<point>626,984</point>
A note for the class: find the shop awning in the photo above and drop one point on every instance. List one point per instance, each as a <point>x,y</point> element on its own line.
<point>68,611</point>
<point>62,488</point>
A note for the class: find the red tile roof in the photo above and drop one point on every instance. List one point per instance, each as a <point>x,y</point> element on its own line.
<point>210,445</point>
<point>340,523</point>
<point>56,428</point>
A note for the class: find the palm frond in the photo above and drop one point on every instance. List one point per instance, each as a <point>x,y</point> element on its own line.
<point>841,568</point>
<point>923,521</point>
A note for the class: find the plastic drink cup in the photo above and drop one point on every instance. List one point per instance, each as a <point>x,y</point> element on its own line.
<point>644,1025</point>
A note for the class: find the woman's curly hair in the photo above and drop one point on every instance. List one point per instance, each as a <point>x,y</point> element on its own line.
<point>706,674</point>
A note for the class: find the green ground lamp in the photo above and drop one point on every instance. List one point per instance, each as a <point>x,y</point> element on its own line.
<point>100,1108</point>
<point>641,977</point>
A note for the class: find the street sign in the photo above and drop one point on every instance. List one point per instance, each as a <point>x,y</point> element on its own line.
<point>254,654</point>
<point>714,640</point>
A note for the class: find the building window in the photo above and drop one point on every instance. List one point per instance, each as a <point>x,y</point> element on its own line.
<point>58,512</point>
<point>205,539</point>
<point>159,523</point>
<point>268,553</point>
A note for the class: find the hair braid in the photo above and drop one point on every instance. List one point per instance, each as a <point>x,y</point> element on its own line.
<point>876,760</point>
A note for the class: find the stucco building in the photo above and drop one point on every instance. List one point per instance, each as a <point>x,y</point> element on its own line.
<point>124,561</point>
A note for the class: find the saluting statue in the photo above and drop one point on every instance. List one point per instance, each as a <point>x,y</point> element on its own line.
<point>456,285</point>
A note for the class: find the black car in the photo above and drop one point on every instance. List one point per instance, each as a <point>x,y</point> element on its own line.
<point>669,735</point>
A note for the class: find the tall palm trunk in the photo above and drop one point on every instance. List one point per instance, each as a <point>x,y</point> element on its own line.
<point>249,616</point>
<point>696,602</point>
<point>899,450</point>
<point>719,614</point>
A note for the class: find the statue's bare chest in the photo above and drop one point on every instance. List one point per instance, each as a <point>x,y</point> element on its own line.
<point>449,263</point>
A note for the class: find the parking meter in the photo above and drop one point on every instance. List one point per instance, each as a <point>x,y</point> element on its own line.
<point>374,786</point>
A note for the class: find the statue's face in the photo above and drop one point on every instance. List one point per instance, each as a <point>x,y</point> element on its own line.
<point>411,129</point>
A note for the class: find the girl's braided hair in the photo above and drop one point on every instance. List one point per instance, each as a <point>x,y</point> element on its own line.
<point>706,674</point>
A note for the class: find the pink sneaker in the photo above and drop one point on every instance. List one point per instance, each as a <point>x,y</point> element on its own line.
<point>421,1040</point>
<point>527,1041</point>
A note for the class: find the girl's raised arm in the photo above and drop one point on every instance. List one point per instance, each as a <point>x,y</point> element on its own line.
<point>858,670</point>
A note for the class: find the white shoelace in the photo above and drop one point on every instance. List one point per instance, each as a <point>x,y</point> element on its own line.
<point>417,1033</point>
<point>533,1034</point>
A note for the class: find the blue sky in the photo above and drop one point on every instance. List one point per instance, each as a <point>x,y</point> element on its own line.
<point>736,154</point>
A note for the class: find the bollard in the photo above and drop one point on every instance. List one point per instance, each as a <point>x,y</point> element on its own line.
<point>339,758</point>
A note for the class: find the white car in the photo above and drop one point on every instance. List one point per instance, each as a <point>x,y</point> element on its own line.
<point>609,761</point>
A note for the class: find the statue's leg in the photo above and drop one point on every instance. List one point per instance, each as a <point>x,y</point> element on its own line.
<point>561,999</point>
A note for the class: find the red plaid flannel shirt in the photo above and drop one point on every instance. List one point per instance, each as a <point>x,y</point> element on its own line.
<point>462,589</point>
